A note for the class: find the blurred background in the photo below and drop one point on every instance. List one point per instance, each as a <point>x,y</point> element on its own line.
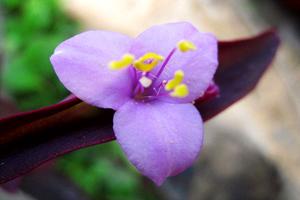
<point>251,150</point>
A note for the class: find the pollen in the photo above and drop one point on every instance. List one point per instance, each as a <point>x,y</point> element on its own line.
<point>148,61</point>
<point>185,45</point>
<point>125,61</point>
<point>178,78</point>
<point>180,91</point>
<point>145,81</point>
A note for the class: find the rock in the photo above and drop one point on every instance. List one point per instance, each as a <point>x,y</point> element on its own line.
<point>230,168</point>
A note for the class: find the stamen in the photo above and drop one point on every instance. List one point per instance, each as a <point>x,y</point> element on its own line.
<point>143,63</point>
<point>185,45</point>
<point>178,78</point>
<point>125,61</point>
<point>160,87</point>
<point>165,63</point>
<point>145,81</point>
<point>180,91</point>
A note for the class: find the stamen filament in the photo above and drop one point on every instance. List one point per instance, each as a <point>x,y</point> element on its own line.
<point>138,89</point>
<point>160,87</point>
<point>165,63</point>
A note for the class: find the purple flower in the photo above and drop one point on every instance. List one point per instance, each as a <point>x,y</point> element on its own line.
<point>151,82</point>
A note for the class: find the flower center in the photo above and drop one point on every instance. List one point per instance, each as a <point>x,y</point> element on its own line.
<point>145,78</point>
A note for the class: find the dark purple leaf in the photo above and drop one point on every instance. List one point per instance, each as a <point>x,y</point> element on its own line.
<point>242,63</point>
<point>70,126</point>
<point>11,125</point>
<point>29,139</point>
<point>6,107</point>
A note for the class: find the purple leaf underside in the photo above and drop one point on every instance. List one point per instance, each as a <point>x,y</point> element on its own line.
<point>30,139</point>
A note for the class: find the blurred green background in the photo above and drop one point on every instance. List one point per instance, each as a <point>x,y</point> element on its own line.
<point>32,30</point>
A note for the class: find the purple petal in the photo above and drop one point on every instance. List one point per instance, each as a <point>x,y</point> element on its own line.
<point>159,138</point>
<point>199,66</point>
<point>81,63</point>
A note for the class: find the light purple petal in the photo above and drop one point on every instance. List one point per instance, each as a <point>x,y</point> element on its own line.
<point>159,138</point>
<point>199,66</point>
<point>81,64</point>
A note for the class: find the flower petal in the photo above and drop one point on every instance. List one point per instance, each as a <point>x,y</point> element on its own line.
<point>81,63</point>
<point>199,66</point>
<point>159,138</point>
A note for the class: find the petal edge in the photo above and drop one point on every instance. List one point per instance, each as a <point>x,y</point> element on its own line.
<point>89,77</point>
<point>160,139</point>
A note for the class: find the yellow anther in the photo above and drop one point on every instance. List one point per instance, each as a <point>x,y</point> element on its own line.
<point>180,91</point>
<point>185,45</point>
<point>178,78</point>
<point>148,61</point>
<point>125,61</point>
